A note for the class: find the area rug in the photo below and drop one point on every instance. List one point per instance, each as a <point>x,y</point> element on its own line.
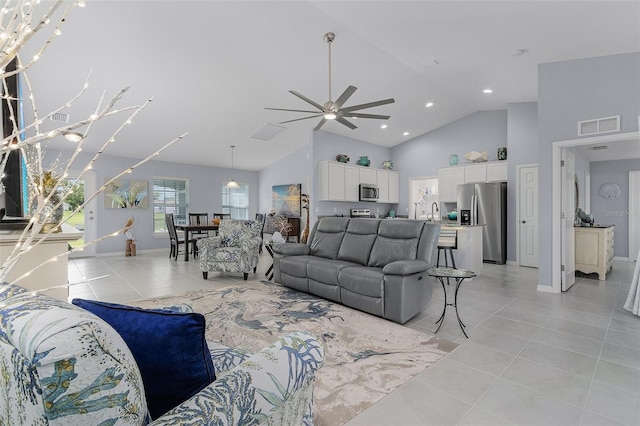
<point>366,357</point>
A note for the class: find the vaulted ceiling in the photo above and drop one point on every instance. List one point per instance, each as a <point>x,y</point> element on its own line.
<point>213,66</point>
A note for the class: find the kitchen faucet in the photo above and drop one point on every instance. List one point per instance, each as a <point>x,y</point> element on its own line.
<point>433,217</point>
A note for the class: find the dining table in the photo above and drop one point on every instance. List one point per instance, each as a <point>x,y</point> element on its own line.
<point>188,229</point>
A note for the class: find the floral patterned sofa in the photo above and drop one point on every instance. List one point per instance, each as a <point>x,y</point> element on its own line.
<point>62,365</point>
<point>236,248</point>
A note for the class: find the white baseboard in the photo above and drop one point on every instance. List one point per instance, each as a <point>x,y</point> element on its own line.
<point>624,259</point>
<point>121,253</point>
<point>512,263</point>
<point>545,289</point>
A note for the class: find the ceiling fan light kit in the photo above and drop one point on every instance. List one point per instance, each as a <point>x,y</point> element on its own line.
<point>333,110</point>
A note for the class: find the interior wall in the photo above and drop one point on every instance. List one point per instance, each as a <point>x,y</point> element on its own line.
<point>572,91</point>
<point>425,154</point>
<point>613,211</point>
<point>205,194</point>
<point>522,148</point>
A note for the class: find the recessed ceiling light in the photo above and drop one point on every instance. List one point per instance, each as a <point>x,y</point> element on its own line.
<point>384,126</point>
<point>405,134</point>
<point>429,104</point>
<point>487,91</point>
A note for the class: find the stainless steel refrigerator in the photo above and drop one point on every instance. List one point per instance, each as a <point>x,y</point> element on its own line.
<point>486,204</point>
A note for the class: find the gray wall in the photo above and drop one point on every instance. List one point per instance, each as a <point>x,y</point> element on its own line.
<point>522,148</point>
<point>572,91</point>
<point>423,155</point>
<point>614,211</point>
<point>205,194</point>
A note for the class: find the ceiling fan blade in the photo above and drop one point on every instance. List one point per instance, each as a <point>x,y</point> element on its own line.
<point>349,124</point>
<point>298,119</point>
<point>359,115</point>
<point>304,98</point>
<point>320,124</point>
<point>368,105</point>
<point>293,110</point>
<point>345,96</point>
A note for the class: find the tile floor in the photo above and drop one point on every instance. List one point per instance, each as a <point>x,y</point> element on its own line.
<point>532,358</point>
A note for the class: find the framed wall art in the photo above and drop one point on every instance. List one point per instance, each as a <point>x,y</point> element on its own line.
<point>126,194</point>
<point>286,199</point>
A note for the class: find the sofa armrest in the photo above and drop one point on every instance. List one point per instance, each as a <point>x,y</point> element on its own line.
<point>275,384</point>
<point>291,249</point>
<point>405,267</point>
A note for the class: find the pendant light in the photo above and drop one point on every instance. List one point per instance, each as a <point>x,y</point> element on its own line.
<point>232,183</point>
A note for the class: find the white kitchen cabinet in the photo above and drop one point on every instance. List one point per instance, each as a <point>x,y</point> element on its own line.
<point>497,171</point>
<point>351,182</point>
<point>331,181</point>
<point>368,175</point>
<point>448,180</point>
<point>475,173</point>
<point>594,250</point>
<point>394,187</point>
<point>340,182</point>
<point>382,181</point>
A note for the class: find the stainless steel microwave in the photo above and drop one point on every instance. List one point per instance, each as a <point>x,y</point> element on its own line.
<point>369,192</point>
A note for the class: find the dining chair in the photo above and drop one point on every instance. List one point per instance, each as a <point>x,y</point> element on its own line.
<point>198,219</point>
<point>174,240</point>
<point>222,216</point>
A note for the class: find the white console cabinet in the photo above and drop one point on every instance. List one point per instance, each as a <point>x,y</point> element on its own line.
<point>594,249</point>
<point>41,275</point>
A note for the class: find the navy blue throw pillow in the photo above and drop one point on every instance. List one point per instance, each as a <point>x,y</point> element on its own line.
<point>169,348</point>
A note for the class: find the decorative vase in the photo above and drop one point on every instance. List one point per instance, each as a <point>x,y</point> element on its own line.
<point>502,153</point>
<point>453,160</point>
<point>50,215</point>
<point>387,165</point>
<point>342,158</point>
<point>364,161</point>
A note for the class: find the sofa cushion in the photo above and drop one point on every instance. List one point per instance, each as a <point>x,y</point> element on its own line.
<point>367,281</point>
<point>397,240</point>
<point>169,347</point>
<point>328,237</point>
<point>326,270</point>
<point>358,240</point>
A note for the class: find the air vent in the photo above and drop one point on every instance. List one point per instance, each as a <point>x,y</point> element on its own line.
<point>60,117</point>
<point>599,148</point>
<point>599,125</point>
<point>267,131</point>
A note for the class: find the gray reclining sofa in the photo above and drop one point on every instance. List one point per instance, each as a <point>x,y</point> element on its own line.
<point>373,265</point>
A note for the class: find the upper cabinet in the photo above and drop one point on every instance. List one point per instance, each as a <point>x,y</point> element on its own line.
<point>340,182</point>
<point>450,177</point>
<point>475,173</point>
<point>448,180</point>
<point>497,171</point>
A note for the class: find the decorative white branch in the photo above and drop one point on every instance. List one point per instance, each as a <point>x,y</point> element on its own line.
<point>15,31</point>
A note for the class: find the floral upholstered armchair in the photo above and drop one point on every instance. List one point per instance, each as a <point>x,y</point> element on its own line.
<point>236,248</point>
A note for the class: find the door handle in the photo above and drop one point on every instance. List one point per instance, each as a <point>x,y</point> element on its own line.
<point>524,221</point>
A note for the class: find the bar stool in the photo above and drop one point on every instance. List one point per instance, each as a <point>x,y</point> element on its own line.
<point>447,242</point>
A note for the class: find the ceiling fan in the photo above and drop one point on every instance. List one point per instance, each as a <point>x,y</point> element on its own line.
<point>333,110</point>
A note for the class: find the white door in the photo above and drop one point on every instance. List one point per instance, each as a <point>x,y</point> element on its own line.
<point>85,220</point>
<point>568,217</point>
<point>634,214</point>
<point>528,220</point>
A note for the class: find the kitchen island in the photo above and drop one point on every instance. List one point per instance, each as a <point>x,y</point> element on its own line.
<point>468,254</point>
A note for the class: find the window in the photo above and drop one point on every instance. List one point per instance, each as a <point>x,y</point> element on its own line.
<point>169,196</point>
<point>236,201</point>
